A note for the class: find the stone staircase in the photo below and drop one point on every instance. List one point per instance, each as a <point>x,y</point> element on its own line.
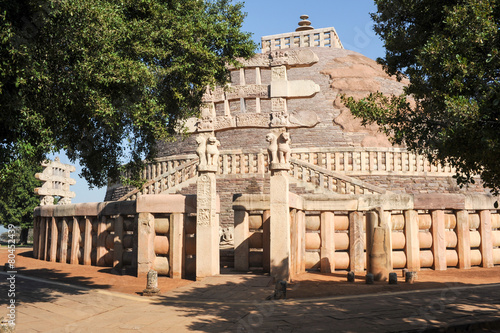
<point>311,177</point>
<point>326,181</point>
<point>167,182</point>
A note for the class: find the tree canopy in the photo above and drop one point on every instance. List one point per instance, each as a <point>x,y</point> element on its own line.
<point>105,79</point>
<point>449,50</point>
<point>17,198</point>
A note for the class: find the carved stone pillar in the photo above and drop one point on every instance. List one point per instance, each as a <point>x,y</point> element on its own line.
<point>207,219</point>
<point>280,207</point>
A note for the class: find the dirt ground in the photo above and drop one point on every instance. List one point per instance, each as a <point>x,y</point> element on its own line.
<point>306,285</point>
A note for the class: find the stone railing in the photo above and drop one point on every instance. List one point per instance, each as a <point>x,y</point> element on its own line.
<point>153,232</point>
<point>321,167</point>
<point>329,180</point>
<point>347,161</point>
<point>408,231</point>
<point>326,37</point>
<point>372,161</point>
<point>175,175</point>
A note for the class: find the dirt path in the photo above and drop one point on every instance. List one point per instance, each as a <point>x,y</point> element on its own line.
<point>303,286</point>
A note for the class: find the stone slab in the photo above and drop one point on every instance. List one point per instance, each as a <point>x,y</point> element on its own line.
<point>330,202</point>
<point>386,202</point>
<point>163,203</point>
<point>252,202</point>
<point>439,201</point>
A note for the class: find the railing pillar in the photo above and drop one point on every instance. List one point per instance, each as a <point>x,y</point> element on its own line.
<point>75,242</point>
<point>45,238</point>
<point>176,245</point>
<point>379,244</point>
<point>280,226</point>
<point>356,242</point>
<point>101,241</point>
<point>207,218</point>
<point>87,242</point>
<point>486,244</point>
<point>438,240</point>
<point>412,245</point>
<point>241,234</point>
<point>53,240</point>
<point>118,244</point>
<point>145,243</point>
<point>463,240</point>
<point>36,235</point>
<point>266,241</point>
<point>327,242</point>
<point>63,254</point>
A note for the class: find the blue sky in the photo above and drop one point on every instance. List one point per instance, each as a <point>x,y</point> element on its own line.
<point>350,19</point>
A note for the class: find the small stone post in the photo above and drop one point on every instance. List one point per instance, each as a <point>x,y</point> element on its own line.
<point>207,220</point>
<point>152,284</point>
<point>279,157</point>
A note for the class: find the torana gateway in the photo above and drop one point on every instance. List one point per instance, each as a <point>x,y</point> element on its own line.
<point>278,176</point>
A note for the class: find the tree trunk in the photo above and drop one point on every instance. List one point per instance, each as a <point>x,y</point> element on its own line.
<point>23,238</point>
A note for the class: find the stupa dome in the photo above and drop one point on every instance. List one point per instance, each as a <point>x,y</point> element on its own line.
<point>295,85</point>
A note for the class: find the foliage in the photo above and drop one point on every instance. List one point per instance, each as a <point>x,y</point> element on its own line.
<point>17,198</point>
<point>105,79</point>
<point>449,50</point>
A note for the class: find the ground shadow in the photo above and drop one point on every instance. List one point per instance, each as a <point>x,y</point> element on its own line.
<point>29,284</point>
<point>237,303</point>
<point>338,306</point>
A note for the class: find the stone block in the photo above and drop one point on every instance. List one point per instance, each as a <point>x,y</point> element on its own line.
<point>393,278</point>
<point>386,202</point>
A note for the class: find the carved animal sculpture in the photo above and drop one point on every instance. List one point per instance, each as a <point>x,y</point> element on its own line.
<point>284,150</point>
<point>212,150</point>
<point>201,150</point>
<point>273,147</point>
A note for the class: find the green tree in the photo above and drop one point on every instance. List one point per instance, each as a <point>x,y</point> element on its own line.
<point>17,198</point>
<point>449,50</point>
<point>104,80</point>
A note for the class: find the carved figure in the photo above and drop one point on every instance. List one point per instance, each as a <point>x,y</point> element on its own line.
<point>225,235</point>
<point>64,201</point>
<point>47,200</point>
<point>279,118</point>
<point>284,150</point>
<point>212,150</point>
<point>201,150</point>
<point>273,147</point>
<point>205,124</point>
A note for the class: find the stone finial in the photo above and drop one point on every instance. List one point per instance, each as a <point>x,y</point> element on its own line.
<point>305,24</point>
